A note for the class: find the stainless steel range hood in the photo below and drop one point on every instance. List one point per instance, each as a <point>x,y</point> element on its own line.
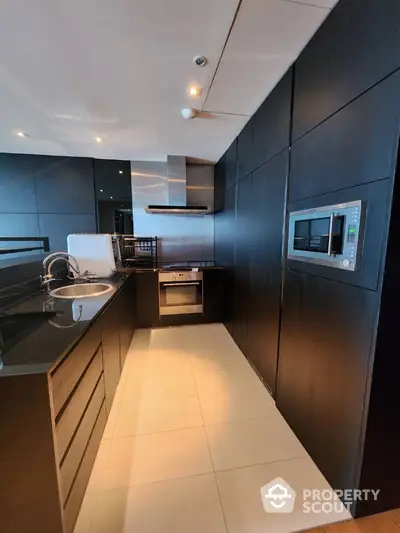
<point>177,192</point>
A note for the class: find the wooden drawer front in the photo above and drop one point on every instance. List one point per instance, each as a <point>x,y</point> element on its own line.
<point>70,418</point>
<point>73,458</point>
<point>77,493</point>
<point>67,375</point>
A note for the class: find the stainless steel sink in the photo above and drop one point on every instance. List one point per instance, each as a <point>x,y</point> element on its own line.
<point>83,290</point>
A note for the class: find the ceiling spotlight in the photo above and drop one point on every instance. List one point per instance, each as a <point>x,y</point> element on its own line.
<point>101,190</point>
<point>111,197</point>
<point>21,134</point>
<point>98,140</point>
<point>200,61</point>
<point>120,171</point>
<point>195,91</point>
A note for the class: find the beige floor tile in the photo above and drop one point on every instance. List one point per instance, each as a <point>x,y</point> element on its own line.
<point>241,498</point>
<point>252,442</point>
<point>158,374</point>
<point>96,481</point>
<point>86,514</point>
<point>178,506</point>
<point>156,414</point>
<point>235,401</point>
<point>157,457</point>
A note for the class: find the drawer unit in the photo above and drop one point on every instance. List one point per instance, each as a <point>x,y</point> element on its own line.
<point>70,464</point>
<point>67,375</point>
<point>67,424</point>
<point>73,504</point>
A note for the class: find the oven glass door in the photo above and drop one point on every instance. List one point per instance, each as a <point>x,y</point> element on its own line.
<point>179,298</point>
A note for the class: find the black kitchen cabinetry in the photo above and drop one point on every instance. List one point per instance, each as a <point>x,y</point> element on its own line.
<point>365,134</point>
<point>324,359</point>
<point>117,326</point>
<point>267,133</point>
<point>271,126</point>
<point>147,299</point>
<point>258,264</point>
<point>355,48</point>
<point>214,290</point>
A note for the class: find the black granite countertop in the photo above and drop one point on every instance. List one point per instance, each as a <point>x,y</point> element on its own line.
<point>35,343</point>
<point>178,265</point>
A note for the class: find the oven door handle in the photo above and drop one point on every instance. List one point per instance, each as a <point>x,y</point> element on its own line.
<point>330,238</point>
<point>166,284</point>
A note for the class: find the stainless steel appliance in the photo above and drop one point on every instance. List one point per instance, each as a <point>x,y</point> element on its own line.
<point>330,235</point>
<point>181,292</point>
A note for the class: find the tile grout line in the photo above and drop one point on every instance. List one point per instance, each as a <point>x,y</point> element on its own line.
<point>209,450</point>
<point>126,487</point>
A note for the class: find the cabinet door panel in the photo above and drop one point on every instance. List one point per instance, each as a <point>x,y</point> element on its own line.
<point>265,233</point>
<point>242,262</point>
<point>231,165</point>
<point>64,185</point>
<point>323,367</point>
<point>271,132</point>
<point>17,184</point>
<point>110,325</point>
<point>245,150</point>
<point>357,46</point>
<point>355,146</point>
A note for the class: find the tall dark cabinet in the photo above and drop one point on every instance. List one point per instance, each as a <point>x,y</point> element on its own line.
<point>323,339</point>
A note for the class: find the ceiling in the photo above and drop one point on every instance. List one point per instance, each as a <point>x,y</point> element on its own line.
<point>120,69</point>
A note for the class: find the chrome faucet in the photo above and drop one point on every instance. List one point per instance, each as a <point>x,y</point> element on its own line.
<point>47,266</point>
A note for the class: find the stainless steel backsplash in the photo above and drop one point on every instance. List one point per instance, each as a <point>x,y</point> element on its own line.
<point>182,237</point>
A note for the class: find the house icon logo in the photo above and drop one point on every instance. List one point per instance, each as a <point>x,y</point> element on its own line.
<point>278,497</point>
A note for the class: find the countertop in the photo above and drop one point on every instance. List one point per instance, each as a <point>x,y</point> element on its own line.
<point>42,342</point>
<point>162,266</point>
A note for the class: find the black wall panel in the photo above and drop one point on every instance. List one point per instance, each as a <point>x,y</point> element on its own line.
<point>356,47</point>
<point>323,366</point>
<point>64,185</point>
<point>17,184</point>
<point>268,132</point>
<point>245,150</point>
<point>357,145</point>
<point>231,171</point>
<point>59,226</point>
<point>271,129</point>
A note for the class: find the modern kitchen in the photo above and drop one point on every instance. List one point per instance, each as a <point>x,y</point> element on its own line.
<point>199,267</point>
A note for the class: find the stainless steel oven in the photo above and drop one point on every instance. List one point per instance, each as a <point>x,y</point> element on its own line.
<point>181,293</point>
<point>331,235</point>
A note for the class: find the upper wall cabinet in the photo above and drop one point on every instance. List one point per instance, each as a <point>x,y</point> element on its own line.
<point>17,184</point>
<point>219,185</point>
<point>268,131</point>
<point>357,145</point>
<point>357,46</point>
<point>271,128</point>
<point>231,172</point>
<point>245,152</point>
<point>64,185</point>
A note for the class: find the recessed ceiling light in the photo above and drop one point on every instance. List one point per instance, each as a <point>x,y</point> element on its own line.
<point>21,134</point>
<point>98,140</point>
<point>101,190</point>
<point>111,197</point>
<point>194,90</point>
<point>120,171</point>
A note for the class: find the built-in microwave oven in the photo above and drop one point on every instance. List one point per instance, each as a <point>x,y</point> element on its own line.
<point>332,235</point>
